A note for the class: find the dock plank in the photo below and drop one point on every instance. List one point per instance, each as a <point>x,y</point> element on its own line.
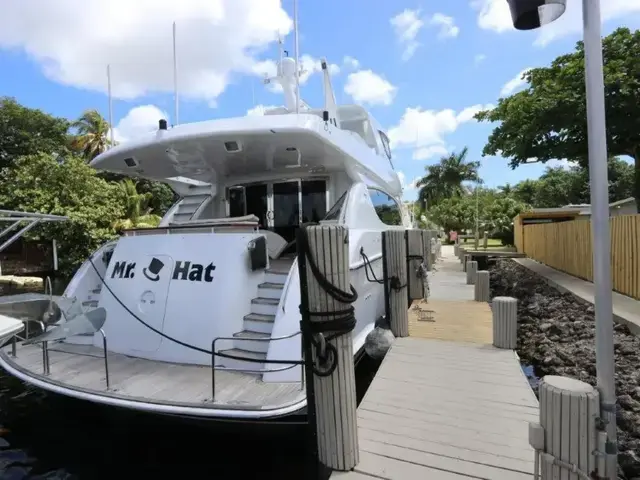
<point>446,404</point>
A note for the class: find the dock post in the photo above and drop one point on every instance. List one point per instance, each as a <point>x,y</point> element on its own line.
<point>395,281</point>
<point>482,292</point>
<point>569,414</point>
<point>415,258</point>
<point>505,322</point>
<point>456,247</point>
<point>472,269</point>
<point>323,255</point>
<point>426,242</point>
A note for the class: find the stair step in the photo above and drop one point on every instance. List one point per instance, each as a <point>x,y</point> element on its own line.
<point>96,290</point>
<point>256,322</point>
<point>270,290</point>
<point>240,364</point>
<point>266,301</point>
<point>90,303</point>
<point>249,341</point>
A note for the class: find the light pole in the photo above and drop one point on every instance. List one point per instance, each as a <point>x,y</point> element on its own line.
<point>530,14</point>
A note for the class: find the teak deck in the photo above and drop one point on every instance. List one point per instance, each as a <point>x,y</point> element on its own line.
<point>82,368</point>
<point>446,404</point>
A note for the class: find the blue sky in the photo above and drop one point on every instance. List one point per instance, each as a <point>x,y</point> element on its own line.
<point>421,68</point>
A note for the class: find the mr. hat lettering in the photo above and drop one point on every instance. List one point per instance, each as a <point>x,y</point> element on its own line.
<point>194,272</point>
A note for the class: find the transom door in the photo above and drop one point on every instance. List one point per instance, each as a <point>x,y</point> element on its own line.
<point>281,206</point>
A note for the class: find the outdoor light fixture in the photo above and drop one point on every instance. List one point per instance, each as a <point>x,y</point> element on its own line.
<point>530,14</point>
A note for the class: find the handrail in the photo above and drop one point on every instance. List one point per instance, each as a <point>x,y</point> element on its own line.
<point>214,354</point>
<point>46,361</point>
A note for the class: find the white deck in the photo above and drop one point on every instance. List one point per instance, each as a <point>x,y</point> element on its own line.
<point>81,368</point>
<point>442,410</point>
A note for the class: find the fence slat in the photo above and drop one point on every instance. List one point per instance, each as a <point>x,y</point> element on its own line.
<point>567,246</point>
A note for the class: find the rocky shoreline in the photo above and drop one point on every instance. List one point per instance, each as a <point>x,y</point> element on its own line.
<point>556,336</point>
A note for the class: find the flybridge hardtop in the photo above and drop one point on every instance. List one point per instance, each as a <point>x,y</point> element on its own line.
<point>200,316</point>
<point>337,138</point>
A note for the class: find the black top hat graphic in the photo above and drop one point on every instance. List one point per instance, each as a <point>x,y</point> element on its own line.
<point>153,270</point>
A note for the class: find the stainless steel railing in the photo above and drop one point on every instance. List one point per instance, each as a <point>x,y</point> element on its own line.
<point>294,363</point>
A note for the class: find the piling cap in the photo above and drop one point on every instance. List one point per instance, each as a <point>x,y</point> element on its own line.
<point>569,384</point>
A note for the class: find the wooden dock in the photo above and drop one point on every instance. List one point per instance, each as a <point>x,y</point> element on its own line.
<point>445,404</point>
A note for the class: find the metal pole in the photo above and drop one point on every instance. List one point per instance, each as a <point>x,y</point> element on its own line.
<point>297,53</point>
<point>597,140</point>
<point>110,105</point>
<point>175,76</point>
<point>55,255</point>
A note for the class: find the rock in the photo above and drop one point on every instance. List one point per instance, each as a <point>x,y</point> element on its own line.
<point>556,336</point>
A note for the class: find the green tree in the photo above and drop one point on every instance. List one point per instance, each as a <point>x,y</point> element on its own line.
<point>45,183</point>
<point>28,131</point>
<point>446,179</point>
<point>92,134</point>
<point>548,119</point>
<point>137,213</point>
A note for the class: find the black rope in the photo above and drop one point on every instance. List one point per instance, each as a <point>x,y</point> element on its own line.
<point>343,322</point>
<point>368,268</point>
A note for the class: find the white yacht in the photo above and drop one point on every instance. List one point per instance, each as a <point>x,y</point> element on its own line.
<point>143,318</point>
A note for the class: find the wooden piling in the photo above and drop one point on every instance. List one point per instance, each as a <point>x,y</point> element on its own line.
<point>481,292</point>
<point>505,322</point>
<point>395,275</point>
<point>337,439</point>
<point>426,242</point>
<point>472,269</point>
<point>569,411</point>
<point>415,258</point>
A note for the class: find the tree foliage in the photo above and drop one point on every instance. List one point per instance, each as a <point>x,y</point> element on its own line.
<point>28,131</point>
<point>43,183</point>
<point>92,134</point>
<point>548,119</point>
<point>493,210</point>
<point>446,178</point>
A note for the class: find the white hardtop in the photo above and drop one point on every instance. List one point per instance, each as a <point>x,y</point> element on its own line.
<point>334,139</point>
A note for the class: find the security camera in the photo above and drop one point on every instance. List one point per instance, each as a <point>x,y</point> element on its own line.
<point>530,14</point>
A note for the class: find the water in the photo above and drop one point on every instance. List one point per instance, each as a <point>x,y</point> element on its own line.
<point>46,436</point>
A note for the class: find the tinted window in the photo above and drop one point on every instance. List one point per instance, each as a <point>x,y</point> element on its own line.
<point>386,207</point>
<point>334,213</point>
<point>386,145</point>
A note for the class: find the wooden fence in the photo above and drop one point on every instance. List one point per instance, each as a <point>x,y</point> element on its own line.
<point>566,246</point>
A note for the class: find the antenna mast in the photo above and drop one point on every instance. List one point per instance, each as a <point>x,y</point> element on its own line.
<point>110,106</point>
<point>297,54</point>
<point>175,75</point>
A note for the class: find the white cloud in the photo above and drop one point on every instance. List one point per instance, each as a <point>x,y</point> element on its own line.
<point>494,15</point>
<point>406,25</point>
<point>139,122</point>
<point>514,84</point>
<point>364,86</point>
<point>409,190</point>
<point>424,131</point>
<point>259,110</point>
<point>351,62</point>
<point>479,58</point>
<point>214,40</point>
<point>448,28</point>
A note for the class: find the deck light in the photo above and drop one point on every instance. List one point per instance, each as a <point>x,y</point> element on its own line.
<point>531,14</point>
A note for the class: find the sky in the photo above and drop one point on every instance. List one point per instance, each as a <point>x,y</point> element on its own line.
<point>422,69</point>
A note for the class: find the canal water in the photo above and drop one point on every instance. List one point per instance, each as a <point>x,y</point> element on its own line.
<point>46,436</point>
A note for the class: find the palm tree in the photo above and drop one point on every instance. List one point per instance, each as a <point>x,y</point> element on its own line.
<point>136,207</point>
<point>92,134</point>
<point>446,178</point>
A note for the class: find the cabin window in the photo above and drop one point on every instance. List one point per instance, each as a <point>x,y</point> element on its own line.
<point>336,210</point>
<point>386,207</point>
<point>386,146</point>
